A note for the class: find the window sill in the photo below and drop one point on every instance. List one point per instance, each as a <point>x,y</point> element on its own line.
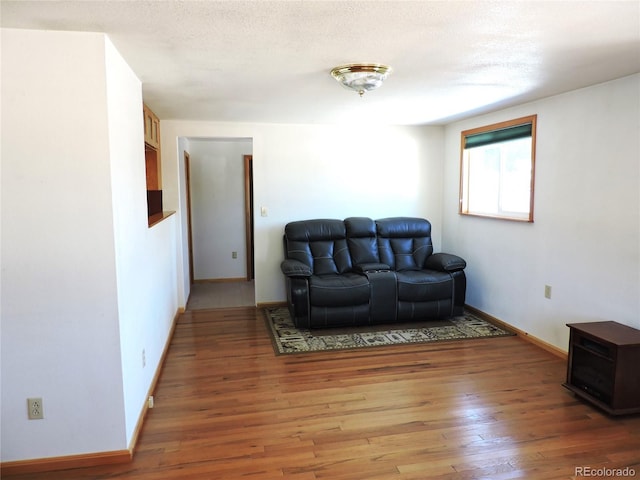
<point>158,217</point>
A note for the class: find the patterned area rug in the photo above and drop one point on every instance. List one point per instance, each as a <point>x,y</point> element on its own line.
<point>289,339</point>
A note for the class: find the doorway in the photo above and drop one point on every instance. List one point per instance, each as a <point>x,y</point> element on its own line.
<point>220,224</point>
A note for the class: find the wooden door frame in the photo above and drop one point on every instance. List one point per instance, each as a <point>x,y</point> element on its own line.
<point>187,176</point>
<point>248,215</point>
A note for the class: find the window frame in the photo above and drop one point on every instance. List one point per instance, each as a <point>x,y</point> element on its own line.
<point>465,179</point>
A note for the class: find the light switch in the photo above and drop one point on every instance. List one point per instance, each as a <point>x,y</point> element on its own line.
<point>263,212</point>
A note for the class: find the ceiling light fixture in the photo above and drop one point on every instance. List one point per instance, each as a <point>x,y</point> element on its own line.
<point>361,77</point>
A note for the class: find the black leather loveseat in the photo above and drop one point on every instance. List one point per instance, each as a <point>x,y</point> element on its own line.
<point>360,271</point>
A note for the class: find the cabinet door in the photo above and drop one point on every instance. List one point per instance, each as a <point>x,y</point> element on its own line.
<point>151,127</point>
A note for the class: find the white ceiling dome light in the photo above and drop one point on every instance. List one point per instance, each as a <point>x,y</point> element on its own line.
<point>361,77</point>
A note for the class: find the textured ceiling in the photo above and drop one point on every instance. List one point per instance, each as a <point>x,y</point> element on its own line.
<point>269,61</point>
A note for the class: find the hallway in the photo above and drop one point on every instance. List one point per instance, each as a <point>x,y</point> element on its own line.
<point>209,295</point>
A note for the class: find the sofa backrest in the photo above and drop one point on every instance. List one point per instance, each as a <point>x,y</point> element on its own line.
<point>361,240</point>
<point>404,243</point>
<point>320,244</point>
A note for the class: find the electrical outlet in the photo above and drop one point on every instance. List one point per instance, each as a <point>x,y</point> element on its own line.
<point>547,291</point>
<point>234,254</point>
<point>34,407</point>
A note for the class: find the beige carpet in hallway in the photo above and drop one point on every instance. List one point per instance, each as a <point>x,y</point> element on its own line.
<point>206,295</point>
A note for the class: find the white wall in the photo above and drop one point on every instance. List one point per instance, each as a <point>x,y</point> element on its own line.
<point>144,257</point>
<point>60,338</point>
<point>321,171</point>
<point>217,207</point>
<point>85,284</point>
<point>585,241</point>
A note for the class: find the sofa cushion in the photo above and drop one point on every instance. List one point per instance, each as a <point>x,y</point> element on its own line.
<point>339,290</point>
<point>424,285</point>
<point>412,311</point>
<point>319,244</point>
<point>330,316</point>
<point>404,243</point>
<point>362,241</point>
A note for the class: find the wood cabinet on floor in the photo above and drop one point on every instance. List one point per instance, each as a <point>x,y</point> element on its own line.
<point>602,368</point>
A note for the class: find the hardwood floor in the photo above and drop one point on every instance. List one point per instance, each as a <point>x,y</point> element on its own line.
<point>227,408</point>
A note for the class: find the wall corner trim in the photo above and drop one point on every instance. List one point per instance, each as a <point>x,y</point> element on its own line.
<point>38,465</point>
<point>558,352</point>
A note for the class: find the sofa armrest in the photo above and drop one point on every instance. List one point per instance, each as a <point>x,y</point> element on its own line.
<point>295,268</point>
<point>370,267</point>
<point>445,262</point>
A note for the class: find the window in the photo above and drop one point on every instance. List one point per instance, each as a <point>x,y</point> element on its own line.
<point>497,170</point>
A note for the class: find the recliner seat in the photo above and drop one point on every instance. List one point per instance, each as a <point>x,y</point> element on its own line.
<point>360,271</point>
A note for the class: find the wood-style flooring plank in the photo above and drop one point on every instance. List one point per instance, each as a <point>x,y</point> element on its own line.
<point>226,407</point>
